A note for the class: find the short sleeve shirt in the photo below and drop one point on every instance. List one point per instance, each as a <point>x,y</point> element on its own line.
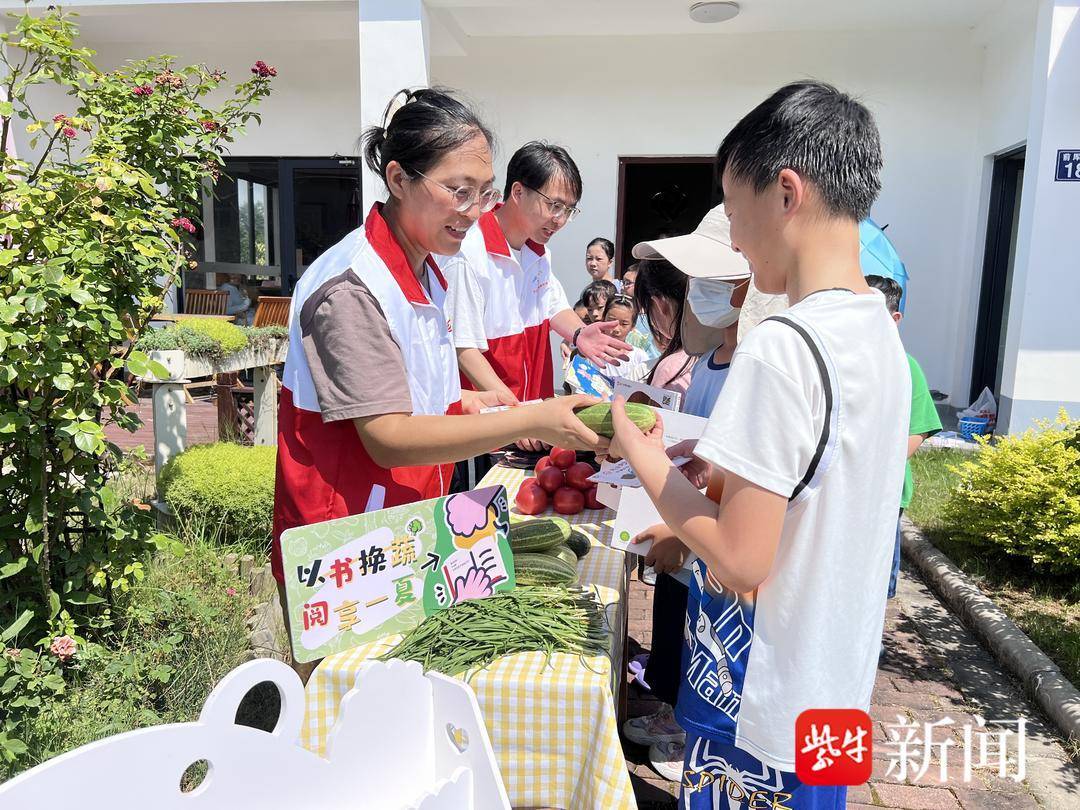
<point>924,421</point>
<point>348,346</point>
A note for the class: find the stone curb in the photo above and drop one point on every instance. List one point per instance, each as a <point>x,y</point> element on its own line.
<point>1041,678</point>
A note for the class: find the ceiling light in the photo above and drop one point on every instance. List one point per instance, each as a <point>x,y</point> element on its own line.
<point>712,12</point>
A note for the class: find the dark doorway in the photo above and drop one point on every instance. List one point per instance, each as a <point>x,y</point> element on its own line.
<point>320,204</point>
<point>661,196</point>
<point>1002,220</point>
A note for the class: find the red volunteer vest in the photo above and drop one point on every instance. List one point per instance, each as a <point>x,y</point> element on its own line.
<point>323,470</point>
<point>516,319</point>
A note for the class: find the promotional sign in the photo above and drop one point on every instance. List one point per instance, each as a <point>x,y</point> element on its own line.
<point>358,578</point>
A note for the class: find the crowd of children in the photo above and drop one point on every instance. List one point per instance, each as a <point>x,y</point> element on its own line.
<point>779,537</point>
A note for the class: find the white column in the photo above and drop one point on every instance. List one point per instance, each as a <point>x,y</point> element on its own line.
<point>266,411</point>
<point>393,55</point>
<point>170,422</point>
<point>1041,371</point>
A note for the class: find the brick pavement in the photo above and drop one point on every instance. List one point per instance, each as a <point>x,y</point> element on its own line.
<point>914,681</point>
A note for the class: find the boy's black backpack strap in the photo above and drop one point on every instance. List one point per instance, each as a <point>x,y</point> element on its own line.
<point>826,444</point>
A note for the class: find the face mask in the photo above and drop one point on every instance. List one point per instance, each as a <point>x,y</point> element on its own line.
<point>710,301</point>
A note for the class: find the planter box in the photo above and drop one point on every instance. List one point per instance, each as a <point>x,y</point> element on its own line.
<point>170,406</point>
<point>182,367</point>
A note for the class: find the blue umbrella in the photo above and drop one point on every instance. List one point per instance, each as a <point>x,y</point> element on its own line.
<point>878,257</point>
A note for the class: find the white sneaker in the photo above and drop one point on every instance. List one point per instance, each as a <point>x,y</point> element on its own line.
<point>667,758</point>
<point>654,728</point>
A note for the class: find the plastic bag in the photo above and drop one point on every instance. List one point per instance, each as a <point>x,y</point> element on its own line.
<point>984,405</point>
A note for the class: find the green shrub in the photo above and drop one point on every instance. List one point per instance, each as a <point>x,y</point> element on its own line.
<point>223,486</point>
<point>264,337</point>
<point>193,343</point>
<point>1021,495</point>
<point>211,339</point>
<point>177,632</point>
<point>228,336</point>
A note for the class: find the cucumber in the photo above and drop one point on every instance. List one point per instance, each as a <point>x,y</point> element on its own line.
<point>565,553</point>
<point>579,543</point>
<point>538,535</point>
<point>543,569</point>
<point>598,417</point>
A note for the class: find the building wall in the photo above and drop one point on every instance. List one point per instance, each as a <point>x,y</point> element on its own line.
<point>314,108</point>
<point>1042,368</point>
<point>680,95</point>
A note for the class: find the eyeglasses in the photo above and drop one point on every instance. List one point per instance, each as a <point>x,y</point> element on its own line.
<point>556,209</point>
<point>468,196</point>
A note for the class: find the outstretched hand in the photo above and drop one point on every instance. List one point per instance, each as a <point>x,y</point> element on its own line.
<point>556,423</point>
<point>596,345</point>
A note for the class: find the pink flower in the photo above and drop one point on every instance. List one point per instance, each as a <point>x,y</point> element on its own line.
<point>59,117</point>
<point>183,222</point>
<point>230,591</point>
<point>263,70</point>
<point>209,126</point>
<point>169,78</point>
<point>63,647</point>
<point>13,653</point>
<point>69,132</point>
<point>217,75</point>
<point>143,90</point>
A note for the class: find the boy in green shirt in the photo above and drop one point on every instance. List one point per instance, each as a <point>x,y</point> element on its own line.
<point>924,417</point>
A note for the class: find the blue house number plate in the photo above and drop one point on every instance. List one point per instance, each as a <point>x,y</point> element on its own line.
<point>1068,165</point>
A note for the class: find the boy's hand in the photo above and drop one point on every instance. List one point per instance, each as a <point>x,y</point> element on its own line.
<point>628,437</point>
<point>696,470</point>
<point>596,345</point>
<point>668,554</point>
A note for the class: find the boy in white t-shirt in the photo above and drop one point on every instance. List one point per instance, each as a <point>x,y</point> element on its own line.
<point>805,448</point>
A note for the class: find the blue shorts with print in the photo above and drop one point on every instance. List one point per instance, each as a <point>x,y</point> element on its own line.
<point>719,776</point>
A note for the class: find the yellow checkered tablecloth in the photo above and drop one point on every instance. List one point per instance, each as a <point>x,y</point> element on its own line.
<point>553,724</point>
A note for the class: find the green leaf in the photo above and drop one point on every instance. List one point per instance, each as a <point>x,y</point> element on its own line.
<point>35,304</point>
<point>52,274</point>
<point>63,382</point>
<point>84,598</point>
<point>81,296</point>
<point>11,569</point>
<point>15,627</point>
<point>54,604</point>
<point>6,109</point>
<point>86,442</point>
<point>158,370</point>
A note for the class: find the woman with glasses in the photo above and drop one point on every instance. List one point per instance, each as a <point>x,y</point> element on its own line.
<point>504,299</point>
<point>370,411</point>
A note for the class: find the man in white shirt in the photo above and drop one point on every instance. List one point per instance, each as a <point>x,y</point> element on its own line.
<point>805,448</point>
<point>504,299</point>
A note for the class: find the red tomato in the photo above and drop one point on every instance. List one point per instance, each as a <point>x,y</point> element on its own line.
<point>531,498</point>
<point>562,458</point>
<point>591,502</point>
<point>578,475</point>
<point>569,501</point>
<point>551,478</point>
<point>542,465</point>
